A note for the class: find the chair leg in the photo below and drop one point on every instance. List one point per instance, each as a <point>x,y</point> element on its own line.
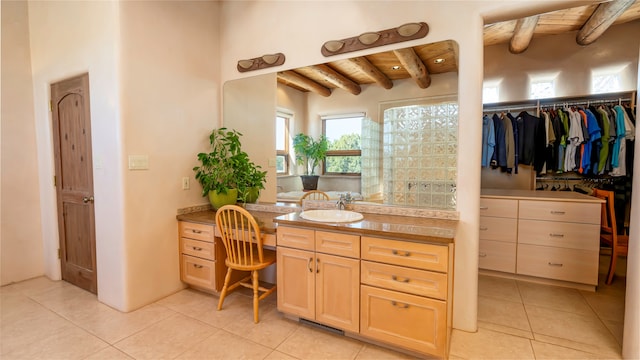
<point>227,278</point>
<point>612,266</point>
<point>256,299</point>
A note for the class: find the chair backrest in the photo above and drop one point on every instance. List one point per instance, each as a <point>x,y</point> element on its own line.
<point>240,235</point>
<point>607,213</point>
<point>314,195</point>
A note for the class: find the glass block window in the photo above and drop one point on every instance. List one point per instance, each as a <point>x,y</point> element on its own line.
<point>420,154</point>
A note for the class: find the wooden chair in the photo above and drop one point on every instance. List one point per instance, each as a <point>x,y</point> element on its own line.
<point>242,241</point>
<point>609,232</point>
<point>314,195</point>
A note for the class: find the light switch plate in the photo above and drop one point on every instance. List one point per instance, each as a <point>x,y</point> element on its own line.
<point>138,162</point>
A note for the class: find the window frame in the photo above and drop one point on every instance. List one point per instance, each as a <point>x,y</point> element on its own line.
<point>285,153</point>
<point>340,153</point>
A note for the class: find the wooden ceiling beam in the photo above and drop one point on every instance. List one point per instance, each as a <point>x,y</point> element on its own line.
<point>372,72</point>
<point>414,66</point>
<point>522,34</point>
<point>336,78</point>
<point>600,20</point>
<point>304,82</point>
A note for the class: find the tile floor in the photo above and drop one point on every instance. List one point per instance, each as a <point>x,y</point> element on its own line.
<point>43,319</point>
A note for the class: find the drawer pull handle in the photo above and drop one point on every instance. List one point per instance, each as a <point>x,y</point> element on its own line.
<point>196,248</point>
<point>395,278</point>
<point>396,252</point>
<point>317,265</point>
<point>196,231</point>
<point>484,208</point>
<point>309,264</point>
<point>556,235</point>
<point>401,306</point>
<point>483,228</point>
<point>556,212</point>
<point>483,254</point>
<point>197,266</point>
<point>555,264</point>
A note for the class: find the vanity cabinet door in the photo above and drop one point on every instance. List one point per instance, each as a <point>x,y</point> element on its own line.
<point>338,292</point>
<point>296,282</point>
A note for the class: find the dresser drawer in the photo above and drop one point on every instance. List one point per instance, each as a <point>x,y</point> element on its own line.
<point>497,228</point>
<point>499,207</point>
<point>405,253</point>
<point>296,238</point>
<point>413,281</point>
<point>409,321</point>
<point>577,212</point>
<point>579,266</point>
<point>197,248</point>
<point>338,244</point>
<point>196,231</point>
<point>559,234</point>
<point>198,272</point>
<point>497,255</point>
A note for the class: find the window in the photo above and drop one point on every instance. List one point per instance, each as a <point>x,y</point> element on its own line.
<point>282,143</point>
<point>344,135</point>
<point>603,83</point>
<point>542,89</point>
<point>490,94</point>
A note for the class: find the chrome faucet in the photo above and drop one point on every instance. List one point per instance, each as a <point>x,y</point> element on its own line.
<point>344,200</point>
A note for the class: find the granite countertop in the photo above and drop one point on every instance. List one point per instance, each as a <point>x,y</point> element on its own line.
<point>208,217</point>
<point>538,195</point>
<point>433,230</point>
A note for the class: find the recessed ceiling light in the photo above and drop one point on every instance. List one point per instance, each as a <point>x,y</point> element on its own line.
<point>396,67</point>
<point>438,61</point>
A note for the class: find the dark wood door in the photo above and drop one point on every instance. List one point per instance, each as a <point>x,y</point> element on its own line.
<point>74,181</point>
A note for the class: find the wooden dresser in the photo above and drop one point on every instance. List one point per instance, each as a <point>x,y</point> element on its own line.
<point>543,234</point>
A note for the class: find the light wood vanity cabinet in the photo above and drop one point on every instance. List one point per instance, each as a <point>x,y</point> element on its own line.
<point>198,255</point>
<point>393,291</point>
<point>543,234</point>
<point>318,276</point>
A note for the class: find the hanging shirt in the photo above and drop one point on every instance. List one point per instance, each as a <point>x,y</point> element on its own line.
<point>604,140</point>
<point>488,140</point>
<point>574,139</point>
<point>499,158</point>
<point>509,142</point>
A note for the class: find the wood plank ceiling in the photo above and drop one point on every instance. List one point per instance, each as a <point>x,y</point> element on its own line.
<point>419,62</point>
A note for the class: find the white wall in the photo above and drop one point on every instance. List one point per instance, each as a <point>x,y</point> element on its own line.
<point>168,94</point>
<point>67,39</point>
<point>571,63</point>
<point>21,247</point>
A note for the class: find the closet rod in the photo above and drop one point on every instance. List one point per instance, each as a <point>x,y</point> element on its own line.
<point>584,102</point>
<point>510,108</point>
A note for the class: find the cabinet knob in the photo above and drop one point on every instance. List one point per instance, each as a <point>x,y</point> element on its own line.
<point>309,264</point>
<point>317,265</point>
<point>405,280</point>
<point>483,254</point>
<point>556,212</point>
<point>400,305</point>
<point>555,264</point>
<point>401,253</point>
<point>556,235</point>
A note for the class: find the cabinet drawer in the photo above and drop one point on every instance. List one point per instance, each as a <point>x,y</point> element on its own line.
<point>405,253</point>
<point>338,244</point>
<point>497,228</point>
<point>585,213</point>
<point>197,248</point>
<point>497,255</point>
<point>499,207</point>
<point>410,321</point>
<point>295,238</point>
<point>579,266</point>
<point>559,234</point>
<point>413,281</point>
<point>198,272</point>
<point>196,231</point>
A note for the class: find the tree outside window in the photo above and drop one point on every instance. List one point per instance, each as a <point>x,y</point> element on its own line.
<point>344,135</point>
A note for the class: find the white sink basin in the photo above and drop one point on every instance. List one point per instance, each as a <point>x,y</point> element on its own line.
<point>331,215</point>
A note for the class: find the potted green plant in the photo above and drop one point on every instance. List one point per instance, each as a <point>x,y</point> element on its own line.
<point>250,179</point>
<point>310,152</point>
<point>216,172</point>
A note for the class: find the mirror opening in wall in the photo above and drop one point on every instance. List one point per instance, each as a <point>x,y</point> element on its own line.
<point>376,107</point>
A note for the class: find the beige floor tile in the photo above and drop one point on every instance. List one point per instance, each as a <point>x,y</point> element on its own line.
<point>578,328</point>
<point>487,344</point>
<point>553,297</point>
<point>109,353</point>
<point>506,329</point>
<point>602,352</point>
<point>310,343</point>
<point>616,328</point>
<point>277,355</point>
<point>501,312</point>
<point>497,287</point>
<point>373,352</point>
<point>32,286</point>
<point>166,339</point>
<point>271,331</point>
<point>549,351</point>
<point>606,306</point>
<point>189,302</point>
<point>235,306</point>
<point>69,343</point>
<point>224,345</point>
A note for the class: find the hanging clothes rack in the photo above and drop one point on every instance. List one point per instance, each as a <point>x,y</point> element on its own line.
<point>537,105</point>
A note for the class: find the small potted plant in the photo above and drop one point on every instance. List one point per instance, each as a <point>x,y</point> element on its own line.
<point>250,179</point>
<point>310,152</point>
<point>216,172</point>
